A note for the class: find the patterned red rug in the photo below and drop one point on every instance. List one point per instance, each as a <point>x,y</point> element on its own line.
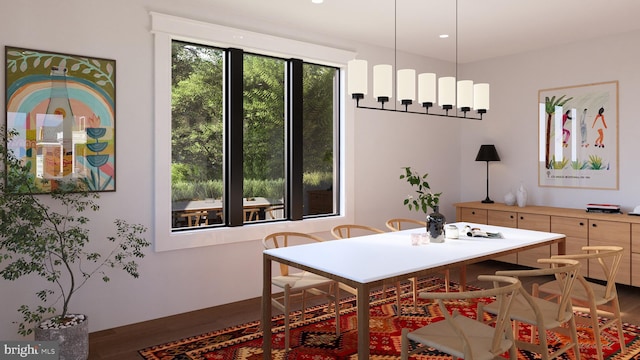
<point>315,338</point>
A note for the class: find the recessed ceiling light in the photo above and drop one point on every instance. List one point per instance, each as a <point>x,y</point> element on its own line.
<point>317,1</point>
<point>444,36</point>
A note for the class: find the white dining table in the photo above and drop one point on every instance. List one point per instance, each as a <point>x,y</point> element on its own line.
<point>367,261</point>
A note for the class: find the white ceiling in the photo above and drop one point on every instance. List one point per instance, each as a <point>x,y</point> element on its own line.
<point>486,28</point>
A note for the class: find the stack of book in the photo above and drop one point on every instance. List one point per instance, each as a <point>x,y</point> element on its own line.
<point>603,208</point>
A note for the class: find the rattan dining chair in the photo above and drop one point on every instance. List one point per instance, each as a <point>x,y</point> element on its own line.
<point>543,315</point>
<point>303,284</point>
<point>352,230</point>
<point>599,300</point>
<point>397,224</point>
<point>464,337</point>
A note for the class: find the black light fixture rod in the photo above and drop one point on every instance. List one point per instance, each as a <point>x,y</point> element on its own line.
<point>420,113</point>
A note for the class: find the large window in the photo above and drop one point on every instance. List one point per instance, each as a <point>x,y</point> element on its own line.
<point>249,126</point>
<point>288,115</point>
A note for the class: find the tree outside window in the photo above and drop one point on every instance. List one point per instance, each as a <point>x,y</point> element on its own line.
<point>197,137</point>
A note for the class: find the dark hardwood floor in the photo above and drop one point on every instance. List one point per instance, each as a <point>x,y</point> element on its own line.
<point>123,343</point>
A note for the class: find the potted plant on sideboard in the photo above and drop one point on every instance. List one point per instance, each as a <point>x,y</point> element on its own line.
<point>46,234</point>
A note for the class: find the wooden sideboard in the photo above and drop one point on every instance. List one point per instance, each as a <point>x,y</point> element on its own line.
<point>580,227</point>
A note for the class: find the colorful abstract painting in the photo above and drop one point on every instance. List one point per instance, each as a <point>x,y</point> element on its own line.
<point>62,108</point>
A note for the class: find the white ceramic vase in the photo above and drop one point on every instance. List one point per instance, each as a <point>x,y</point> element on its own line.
<point>521,196</point>
<point>510,199</point>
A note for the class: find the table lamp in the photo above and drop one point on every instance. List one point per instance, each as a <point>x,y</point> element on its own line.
<point>487,153</point>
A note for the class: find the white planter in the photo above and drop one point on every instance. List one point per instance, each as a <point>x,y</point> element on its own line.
<point>73,340</point>
<point>521,197</point>
<point>510,199</point>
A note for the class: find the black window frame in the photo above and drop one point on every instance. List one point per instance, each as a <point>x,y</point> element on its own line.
<point>294,118</point>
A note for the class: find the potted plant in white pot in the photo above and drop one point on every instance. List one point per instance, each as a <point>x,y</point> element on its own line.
<point>47,235</point>
<point>424,201</point>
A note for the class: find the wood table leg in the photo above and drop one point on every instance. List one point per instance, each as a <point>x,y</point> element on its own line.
<point>363,322</point>
<point>562,246</point>
<point>266,307</point>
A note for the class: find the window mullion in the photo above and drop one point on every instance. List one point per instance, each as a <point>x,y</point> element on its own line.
<point>295,198</point>
<point>233,204</point>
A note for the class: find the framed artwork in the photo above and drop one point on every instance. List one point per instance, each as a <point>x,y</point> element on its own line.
<point>578,136</point>
<point>62,108</point>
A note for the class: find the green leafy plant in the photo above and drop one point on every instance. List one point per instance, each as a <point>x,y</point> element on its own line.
<point>595,162</point>
<point>557,164</point>
<point>579,165</point>
<point>46,235</point>
<point>425,197</point>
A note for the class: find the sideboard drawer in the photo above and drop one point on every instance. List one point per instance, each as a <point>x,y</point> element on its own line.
<point>502,218</point>
<point>571,227</point>
<point>478,216</point>
<point>534,222</point>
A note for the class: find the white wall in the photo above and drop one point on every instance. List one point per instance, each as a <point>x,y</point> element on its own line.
<point>512,122</point>
<point>385,142</point>
<point>179,281</point>
<point>171,282</point>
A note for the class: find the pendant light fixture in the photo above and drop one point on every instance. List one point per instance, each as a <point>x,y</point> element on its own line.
<point>464,94</point>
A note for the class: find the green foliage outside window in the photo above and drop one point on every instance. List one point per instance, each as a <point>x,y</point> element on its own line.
<point>197,124</point>
<point>213,189</point>
<point>197,115</point>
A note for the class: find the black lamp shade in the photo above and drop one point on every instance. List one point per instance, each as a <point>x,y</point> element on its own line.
<point>487,153</point>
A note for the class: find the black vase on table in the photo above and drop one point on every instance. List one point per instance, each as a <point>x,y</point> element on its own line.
<point>435,226</point>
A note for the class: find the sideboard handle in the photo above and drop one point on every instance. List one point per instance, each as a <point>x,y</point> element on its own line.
<point>511,217</point>
<point>581,224</point>
<point>473,213</point>
<point>521,217</point>
<point>594,225</point>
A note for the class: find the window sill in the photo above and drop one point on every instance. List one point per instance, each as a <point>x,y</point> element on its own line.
<point>230,235</point>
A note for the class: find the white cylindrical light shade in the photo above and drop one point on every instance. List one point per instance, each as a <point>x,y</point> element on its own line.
<point>447,91</point>
<point>465,94</point>
<point>357,77</point>
<point>406,84</point>
<point>382,81</point>
<point>481,96</point>
<point>427,88</point>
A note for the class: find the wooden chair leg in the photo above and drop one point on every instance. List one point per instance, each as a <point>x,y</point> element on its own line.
<point>446,280</point>
<point>595,327</point>
<point>574,338</point>
<point>398,305</point>
<point>404,350</point>
<point>287,315</point>
<point>414,289</point>
<point>336,305</point>
<point>616,314</point>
